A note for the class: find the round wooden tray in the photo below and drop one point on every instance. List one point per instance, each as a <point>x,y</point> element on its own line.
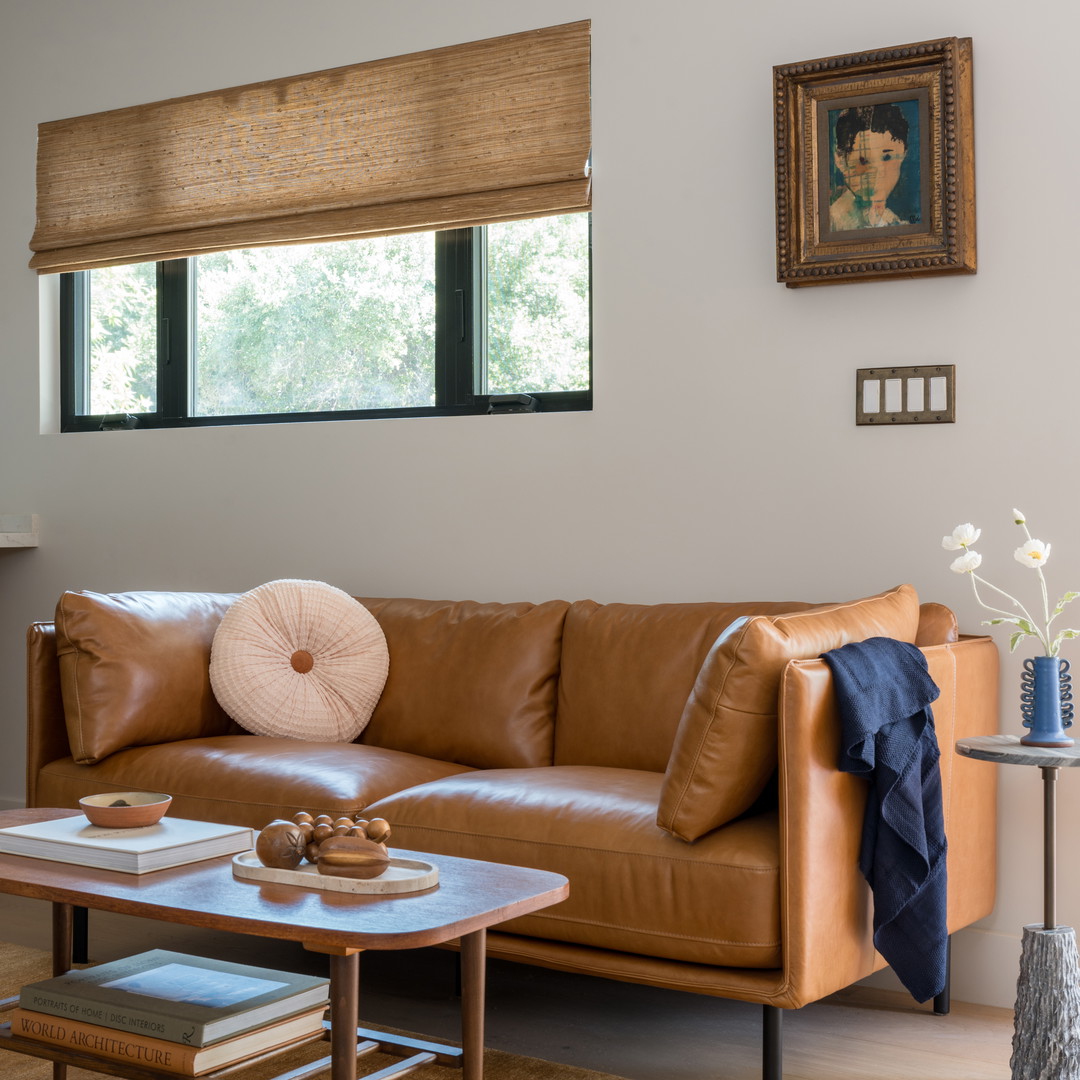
<point>401,876</point>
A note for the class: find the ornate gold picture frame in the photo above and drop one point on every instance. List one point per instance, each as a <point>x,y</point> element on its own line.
<point>875,165</point>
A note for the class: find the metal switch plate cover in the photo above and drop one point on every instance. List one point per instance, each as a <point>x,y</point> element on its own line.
<point>906,395</point>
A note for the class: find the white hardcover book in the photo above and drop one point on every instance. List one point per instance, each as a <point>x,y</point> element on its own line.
<point>169,842</point>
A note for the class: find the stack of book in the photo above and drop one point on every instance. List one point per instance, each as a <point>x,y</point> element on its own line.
<point>170,1011</point>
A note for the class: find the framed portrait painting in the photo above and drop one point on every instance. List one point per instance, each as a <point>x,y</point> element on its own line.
<point>875,167</point>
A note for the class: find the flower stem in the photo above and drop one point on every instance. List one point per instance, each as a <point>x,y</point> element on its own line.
<point>1012,599</point>
<point>1008,614</point>
<point>1042,584</point>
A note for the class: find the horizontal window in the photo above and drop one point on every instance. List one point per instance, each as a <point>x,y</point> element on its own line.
<point>495,318</point>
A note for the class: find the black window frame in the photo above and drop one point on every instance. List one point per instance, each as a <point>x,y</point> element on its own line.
<point>460,341</point>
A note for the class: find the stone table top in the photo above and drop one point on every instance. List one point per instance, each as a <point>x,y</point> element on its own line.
<point>1009,750</point>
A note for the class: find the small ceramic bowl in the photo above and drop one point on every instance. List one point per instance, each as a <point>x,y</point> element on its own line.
<point>125,809</point>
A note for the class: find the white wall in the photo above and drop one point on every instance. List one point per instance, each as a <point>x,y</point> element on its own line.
<point>721,460</point>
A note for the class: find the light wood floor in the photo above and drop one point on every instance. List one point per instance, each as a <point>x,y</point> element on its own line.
<point>634,1032</point>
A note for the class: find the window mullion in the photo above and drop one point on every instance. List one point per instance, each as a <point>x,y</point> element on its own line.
<point>174,326</point>
<point>74,347</point>
<point>458,317</point>
<point>479,274</point>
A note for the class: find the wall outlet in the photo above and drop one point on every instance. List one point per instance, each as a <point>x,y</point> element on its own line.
<point>906,395</point>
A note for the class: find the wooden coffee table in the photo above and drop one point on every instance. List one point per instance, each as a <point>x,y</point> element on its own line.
<point>470,897</point>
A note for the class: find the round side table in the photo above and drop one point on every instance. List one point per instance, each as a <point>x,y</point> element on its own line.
<point>1046,1033</point>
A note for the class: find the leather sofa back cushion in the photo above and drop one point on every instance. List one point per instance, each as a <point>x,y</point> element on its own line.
<point>726,745</point>
<point>135,668</point>
<point>627,670</point>
<point>469,682</point>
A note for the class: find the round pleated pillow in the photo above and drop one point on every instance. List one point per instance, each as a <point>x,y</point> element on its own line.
<point>299,660</point>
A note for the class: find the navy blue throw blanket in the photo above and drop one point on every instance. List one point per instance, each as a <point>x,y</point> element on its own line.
<point>883,694</point>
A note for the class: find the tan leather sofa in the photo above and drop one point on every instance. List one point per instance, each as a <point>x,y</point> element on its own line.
<point>677,762</point>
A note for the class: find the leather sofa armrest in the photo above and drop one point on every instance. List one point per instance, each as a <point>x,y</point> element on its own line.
<point>826,913</point>
<point>967,674</point>
<point>46,725</point>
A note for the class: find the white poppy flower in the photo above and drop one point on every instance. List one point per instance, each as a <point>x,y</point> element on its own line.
<point>963,536</point>
<point>966,563</point>
<point>1033,553</point>
<point>1006,608</point>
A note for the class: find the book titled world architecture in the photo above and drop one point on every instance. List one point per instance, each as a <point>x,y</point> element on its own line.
<point>193,1000</point>
<point>171,842</point>
<point>173,1057</point>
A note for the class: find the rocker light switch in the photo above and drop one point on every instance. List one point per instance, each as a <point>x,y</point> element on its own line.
<point>905,395</point>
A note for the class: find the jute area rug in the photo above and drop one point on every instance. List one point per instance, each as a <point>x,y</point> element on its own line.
<point>20,965</point>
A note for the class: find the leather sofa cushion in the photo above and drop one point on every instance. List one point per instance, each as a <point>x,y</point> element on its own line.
<point>246,779</point>
<point>632,887</point>
<point>726,746</point>
<point>937,626</point>
<point>469,682</point>
<point>627,670</point>
<point>134,668</point>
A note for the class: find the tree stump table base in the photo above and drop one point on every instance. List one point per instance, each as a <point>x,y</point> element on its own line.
<point>1046,1035</point>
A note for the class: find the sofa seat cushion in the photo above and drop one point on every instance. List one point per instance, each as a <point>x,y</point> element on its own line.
<point>246,779</point>
<point>633,888</point>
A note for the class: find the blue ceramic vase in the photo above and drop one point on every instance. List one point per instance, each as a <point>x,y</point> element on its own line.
<point>1046,701</point>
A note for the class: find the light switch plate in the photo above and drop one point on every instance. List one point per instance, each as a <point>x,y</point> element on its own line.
<point>906,395</point>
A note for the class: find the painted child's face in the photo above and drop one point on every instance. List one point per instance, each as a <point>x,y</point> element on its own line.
<point>871,167</point>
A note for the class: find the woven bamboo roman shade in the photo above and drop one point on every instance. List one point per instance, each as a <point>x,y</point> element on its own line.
<point>470,134</point>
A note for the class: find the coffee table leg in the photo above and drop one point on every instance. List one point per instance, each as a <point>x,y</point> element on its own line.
<point>62,922</point>
<point>473,980</point>
<point>344,1014</point>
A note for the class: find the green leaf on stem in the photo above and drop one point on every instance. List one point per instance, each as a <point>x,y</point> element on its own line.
<point>1067,598</point>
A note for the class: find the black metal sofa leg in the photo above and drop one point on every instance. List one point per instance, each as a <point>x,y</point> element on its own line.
<point>772,1029</point>
<point>772,1043</point>
<point>943,1000</point>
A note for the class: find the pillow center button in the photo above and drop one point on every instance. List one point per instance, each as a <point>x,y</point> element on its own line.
<point>302,661</point>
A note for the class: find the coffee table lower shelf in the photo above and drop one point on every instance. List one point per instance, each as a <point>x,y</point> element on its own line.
<point>413,1052</point>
